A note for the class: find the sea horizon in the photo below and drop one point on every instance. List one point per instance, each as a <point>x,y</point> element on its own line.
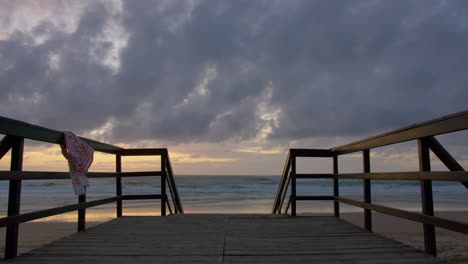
<point>252,194</point>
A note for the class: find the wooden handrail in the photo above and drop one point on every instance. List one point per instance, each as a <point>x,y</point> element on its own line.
<point>25,130</point>
<point>143,152</point>
<point>21,218</point>
<point>416,217</point>
<point>52,175</point>
<point>173,187</point>
<point>424,133</point>
<point>443,125</point>
<point>281,188</point>
<point>16,131</point>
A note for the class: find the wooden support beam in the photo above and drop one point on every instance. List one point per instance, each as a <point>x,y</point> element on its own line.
<point>285,193</point>
<point>178,208</point>
<point>367,190</point>
<point>5,145</point>
<point>426,197</point>
<point>169,206</point>
<point>163,186</point>
<point>293,185</point>
<point>336,187</point>
<point>281,188</point>
<point>172,189</point>
<point>118,184</point>
<point>444,156</point>
<point>14,198</point>
<point>82,214</point>
<point>288,204</point>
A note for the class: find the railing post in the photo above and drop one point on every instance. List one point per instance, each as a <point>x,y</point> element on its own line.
<point>82,214</point>
<point>14,199</point>
<point>367,190</point>
<point>163,185</point>
<point>118,184</point>
<point>293,185</point>
<point>336,187</point>
<point>426,198</point>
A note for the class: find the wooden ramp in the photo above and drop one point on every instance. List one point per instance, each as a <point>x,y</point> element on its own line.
<point>225,239</point>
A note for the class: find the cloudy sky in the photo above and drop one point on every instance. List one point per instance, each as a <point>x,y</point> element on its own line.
<point>230,86</point>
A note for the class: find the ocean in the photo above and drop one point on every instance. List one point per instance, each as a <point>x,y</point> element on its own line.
<point>229,194</point>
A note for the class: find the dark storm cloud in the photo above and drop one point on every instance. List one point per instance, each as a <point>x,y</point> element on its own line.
<point>211,71</point>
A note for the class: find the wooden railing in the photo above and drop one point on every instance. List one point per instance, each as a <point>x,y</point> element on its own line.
<point>16,131</point>
<point>424,134</point>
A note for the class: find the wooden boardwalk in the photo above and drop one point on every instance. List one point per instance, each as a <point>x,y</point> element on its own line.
<point>225,239</point>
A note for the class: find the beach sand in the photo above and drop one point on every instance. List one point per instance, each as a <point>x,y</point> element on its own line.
<point>452,247</point>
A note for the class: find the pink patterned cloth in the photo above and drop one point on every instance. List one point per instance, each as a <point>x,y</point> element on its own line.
<point>80,157</point>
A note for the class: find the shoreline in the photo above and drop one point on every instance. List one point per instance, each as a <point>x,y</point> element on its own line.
<point>452,246</point>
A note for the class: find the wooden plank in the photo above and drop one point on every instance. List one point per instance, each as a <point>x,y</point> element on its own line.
<point>118,184</point>
<point>82,214</point>
<point>367,190</point>
<point>103,259</point>
<point>324,153</point>
<point>444,156</point>
<point>22,129</point>
<point>314,198</point>
<point>426,197</point>
<point>213,238</point>
<point>163,185</point>
<point>368,258</point>
<point>14,198</point>
<point>173,187</point>
<point>48,175</point>
<point>336,187</point>
<point>446,124</point>
<point>142,173</point>
<point>5,145</point>
<point>417,217</point>
<point>281,188</point>
<point>423,175</point>
<point>313,175</point>
<point>53,211</point>
<point>293,186</point>
<point>143,152</point>
<point>141,196</point>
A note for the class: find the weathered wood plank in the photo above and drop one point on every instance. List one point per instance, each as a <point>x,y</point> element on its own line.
<point>53,211</point>
<point>427,175</point>
<point>183,238</point>
<point>444,156</point>
<point>23,129</point>
<point>143,152</point>
<point>324,153</point>
<point>48,175</point>
<point>446,124</point>
<point>5,145</point>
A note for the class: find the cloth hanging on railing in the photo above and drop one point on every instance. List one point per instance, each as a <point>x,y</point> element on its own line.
<point>80,157</point>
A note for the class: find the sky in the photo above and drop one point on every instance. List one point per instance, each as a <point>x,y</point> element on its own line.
<point>229,86</point>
